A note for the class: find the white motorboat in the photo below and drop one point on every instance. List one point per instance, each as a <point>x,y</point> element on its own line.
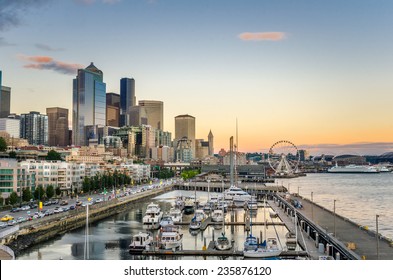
<point>200,215</point>
<point>189,206</point>
<point>223,243</point>
<point>217,216</point>
<point>236,194</point>
<point>352,168</point>
<point>176,215</point>
<point>153,216</point>
<point>166,220</point>
<point>266,250</point>
<point>252,204</point>
<point>141,241</point>
<point>170,237</point>
<point>195,224</point>
<point>179,203</point>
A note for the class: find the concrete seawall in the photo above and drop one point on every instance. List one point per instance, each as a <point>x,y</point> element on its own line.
<point>37,231</point>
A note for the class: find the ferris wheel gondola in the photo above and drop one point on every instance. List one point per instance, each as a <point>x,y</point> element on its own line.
<point>284,157</point>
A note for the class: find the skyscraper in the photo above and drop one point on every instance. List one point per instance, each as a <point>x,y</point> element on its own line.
<point>89,105</point>
<point>5,99</point>
<point>57,126</point>
<point>154,112</point>
<point>112,109</point>
<point>127,100</point>
<point>185,127</point>
<point>210,139</point>
<point>34,128</point>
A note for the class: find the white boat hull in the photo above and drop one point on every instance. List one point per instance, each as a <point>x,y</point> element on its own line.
<point>261,253</point>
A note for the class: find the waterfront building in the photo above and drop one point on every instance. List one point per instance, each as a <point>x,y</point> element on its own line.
<point>201,149</point>
<point>11,126</point>
<point>89,105</point>
<point>183,152</point>
<point>34,128</point>
<point>14,178</point>
<point>89,154</point>
<point>112,109</point>
<point>137,172</point>
<point>185,127</point>
<point>58,132</point>
<point>154,112</point>
<point>127,100</point>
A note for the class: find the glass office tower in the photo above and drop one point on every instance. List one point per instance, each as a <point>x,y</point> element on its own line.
<point>127,100</point>
<point>89,105</point>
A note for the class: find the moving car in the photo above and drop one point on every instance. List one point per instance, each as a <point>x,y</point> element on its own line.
<point>7,218</point>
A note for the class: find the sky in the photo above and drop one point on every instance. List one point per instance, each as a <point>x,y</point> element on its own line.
<point>316,73</point>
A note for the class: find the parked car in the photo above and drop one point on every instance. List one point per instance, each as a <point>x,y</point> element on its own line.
<point>64,202</point>
<point>21,219</point>
<point>78,203</point>
<point>11,222</point>
<point>3,225</point>
<point>13,210</point>
<point>72,207</point>
<point>7,218</point>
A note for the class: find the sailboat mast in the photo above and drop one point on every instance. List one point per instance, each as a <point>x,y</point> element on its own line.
<point>231,158</point>
<point>264,218</point>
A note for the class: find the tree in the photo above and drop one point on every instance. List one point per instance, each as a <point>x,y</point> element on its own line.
<point>53,155</point>
<point>58,191</point>
<point>26,194</point>
<point>3,145</point>
<point>86,185</point>
<point>50,191</point>
<point>12,154</point>
<point>14,198</point>
<point>39,193</point>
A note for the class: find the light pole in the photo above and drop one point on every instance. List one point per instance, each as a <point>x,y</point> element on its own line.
<point>298,191</point>
<point>334,220</point>
<point>376,222</point>
<point>312,206</point>
<point>208,190</point>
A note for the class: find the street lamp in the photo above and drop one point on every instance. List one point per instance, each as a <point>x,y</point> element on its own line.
<point>312,206</point>
<point>334,221</point>
<point>298,191</point>
<point>376,222</point>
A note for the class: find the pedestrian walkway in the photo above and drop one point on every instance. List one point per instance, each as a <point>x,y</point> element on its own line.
<point>354,236</point>
<point>6,253</point>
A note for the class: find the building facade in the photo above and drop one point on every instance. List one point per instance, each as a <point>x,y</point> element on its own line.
<point>11,126</point>
<point>185,127</point>
<point>155,113</point>
<point>34,128</point>
<point>89,105</point>
<point>112,109</point>
<point>14,178</point>
<point>5,101</point>
<point>127,100</point>
<point>58,132</point>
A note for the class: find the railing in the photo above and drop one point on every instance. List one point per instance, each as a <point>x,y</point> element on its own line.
<point>8,251</point>
<point>8,231</point>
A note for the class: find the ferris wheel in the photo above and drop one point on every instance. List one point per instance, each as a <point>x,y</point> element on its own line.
<point>284,157</point>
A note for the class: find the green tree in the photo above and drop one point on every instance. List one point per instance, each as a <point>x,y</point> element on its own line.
<point>39,193</point>
<point>58,191</point>
<point>53,155</point>
<point>3,145</point>
<point>12,154</point>
<point>14,198</point>
<point>86,185</point>
<point>50,191</point>
<point>26,194</point>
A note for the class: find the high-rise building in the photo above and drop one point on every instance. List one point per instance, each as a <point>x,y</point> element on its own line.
<point>137,116</point>
<point>57,126</point>
<point>185,127</point>
<point>89,105</point>
<point>112,109</point>
<point>5,99</point>
<point>210,139</point>
<point>11,126</point>
<point>154,112</point>
<point>127,100</point>
<point>34,128</point>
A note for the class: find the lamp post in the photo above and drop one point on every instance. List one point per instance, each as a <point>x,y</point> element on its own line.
<point>376,223</point>
<point>334,217</point>
<point>208,190</point>
<point>298,191</point>
<point>312,206</point>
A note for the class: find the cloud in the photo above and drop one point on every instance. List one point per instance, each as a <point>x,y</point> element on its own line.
<point>4,43</point>
<point>48,63</point>
<point>47,48</point>
<point>368,148</point>
<point>262,36</point>
<point>11,10</point>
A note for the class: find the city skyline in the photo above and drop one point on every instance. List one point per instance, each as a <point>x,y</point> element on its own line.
<point>311,73</point>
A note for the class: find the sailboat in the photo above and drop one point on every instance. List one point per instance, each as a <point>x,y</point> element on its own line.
<point>269,247</point>
<point>251,242</point>
<point>223,243</point>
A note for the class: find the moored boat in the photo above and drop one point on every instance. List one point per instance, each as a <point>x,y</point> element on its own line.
<point>153,216</point>
<point>352,168</point>
<point>170,237</point>
<point>141,241</point>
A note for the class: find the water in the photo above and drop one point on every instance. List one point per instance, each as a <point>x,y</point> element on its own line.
<point>109,238</point>
<point>359,197</point>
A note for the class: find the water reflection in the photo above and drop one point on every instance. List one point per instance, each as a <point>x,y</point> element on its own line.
<point>109,238</point>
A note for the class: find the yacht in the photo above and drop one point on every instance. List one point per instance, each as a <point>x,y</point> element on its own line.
<point>252,204</point>
<point>223,243</point>
<point>179,203</point>
<point>267,250</point>
<point>189,206</point>
<point>195,224</point>
<point>176,215</point>
<point>218,216</point>
<point>141,241</point>
<point>199,215</point>
<point>236,194</point>
<point>170,237</point>
<point>352,168</point>
<point>153,216</point>
<point>166,220</point>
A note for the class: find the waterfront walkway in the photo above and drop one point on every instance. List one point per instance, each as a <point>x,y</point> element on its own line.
<point>362,241</point>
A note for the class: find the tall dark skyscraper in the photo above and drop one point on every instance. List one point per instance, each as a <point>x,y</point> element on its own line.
<point>34,128</point>
<point>127,100</point>
<point>5,99</point>
<point>58,132</point>
<point>112,109</point>
<point>89,105</point>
